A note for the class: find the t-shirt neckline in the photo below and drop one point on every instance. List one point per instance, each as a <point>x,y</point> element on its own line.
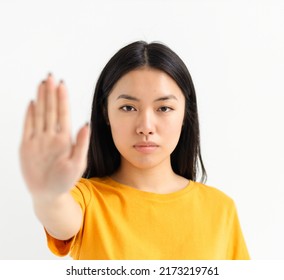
<point>166,196</point>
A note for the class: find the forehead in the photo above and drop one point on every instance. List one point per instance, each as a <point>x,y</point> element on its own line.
<point>146,81</point>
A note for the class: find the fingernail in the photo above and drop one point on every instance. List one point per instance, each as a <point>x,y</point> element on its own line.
<point>87,124</point>
<point>61,82</point>
<point>49,74</point>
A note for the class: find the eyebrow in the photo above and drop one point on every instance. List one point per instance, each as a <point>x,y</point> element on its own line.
<point>129,97</point>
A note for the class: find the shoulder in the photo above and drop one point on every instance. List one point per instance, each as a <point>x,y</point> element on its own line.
<point>212,195</point>
<point>94,186</point>
<point>85,189</point>
<point>89,185</point>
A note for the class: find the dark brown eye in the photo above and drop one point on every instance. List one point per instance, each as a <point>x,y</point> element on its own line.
<point>165,109</point>
<point>127,108</point>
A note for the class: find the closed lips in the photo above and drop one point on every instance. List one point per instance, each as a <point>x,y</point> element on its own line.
<point>146,145</point>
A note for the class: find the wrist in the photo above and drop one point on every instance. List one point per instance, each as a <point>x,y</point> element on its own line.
<point>50,199</point>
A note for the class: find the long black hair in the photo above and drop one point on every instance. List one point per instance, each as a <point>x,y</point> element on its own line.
<point>103,156</point>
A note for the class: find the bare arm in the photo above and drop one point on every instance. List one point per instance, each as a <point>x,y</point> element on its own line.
<point>51,162</point>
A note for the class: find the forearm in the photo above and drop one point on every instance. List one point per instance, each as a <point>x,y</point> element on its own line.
<point>51,161</point>
<point>61,216</point>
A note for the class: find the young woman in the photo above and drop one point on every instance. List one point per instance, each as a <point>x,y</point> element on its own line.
<point>136,197</point>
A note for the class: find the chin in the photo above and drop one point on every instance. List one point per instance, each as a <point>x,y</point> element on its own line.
<point>146,163</point>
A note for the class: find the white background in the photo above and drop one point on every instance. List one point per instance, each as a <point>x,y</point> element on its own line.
<point>235,53</point>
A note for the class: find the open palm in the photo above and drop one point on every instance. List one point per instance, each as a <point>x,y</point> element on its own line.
<point>51,162</point>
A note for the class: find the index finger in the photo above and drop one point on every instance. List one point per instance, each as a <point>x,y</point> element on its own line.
<point>63,108</point>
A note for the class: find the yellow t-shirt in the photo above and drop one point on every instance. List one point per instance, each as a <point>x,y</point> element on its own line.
<point>121,222</point>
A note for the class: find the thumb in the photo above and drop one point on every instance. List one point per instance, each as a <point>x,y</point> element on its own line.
<point>80,148</point>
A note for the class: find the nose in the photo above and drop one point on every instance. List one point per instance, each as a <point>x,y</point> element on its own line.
<point>145,124</point>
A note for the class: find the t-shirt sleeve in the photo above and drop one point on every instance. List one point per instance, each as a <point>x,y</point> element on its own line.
<point>81,194</point>
<point>237,249</point>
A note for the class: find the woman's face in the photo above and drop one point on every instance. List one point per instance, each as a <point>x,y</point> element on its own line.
<point>146,110</point>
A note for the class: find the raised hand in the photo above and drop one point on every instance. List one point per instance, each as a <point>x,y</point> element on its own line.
<point>51,162</point>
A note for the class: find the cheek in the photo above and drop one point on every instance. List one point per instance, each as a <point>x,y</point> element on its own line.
<point>173,124</point>
<point>172,130</point>
<point>120,132</point>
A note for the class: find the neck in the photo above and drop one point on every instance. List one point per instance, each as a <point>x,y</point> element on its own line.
<point>159,179</point>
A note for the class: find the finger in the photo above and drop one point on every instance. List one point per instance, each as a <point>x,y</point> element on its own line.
<point>50,105</point>
<point>29,122</point>
<point>80,148</point>
<point>39,108</point>
<point>63,108</point>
